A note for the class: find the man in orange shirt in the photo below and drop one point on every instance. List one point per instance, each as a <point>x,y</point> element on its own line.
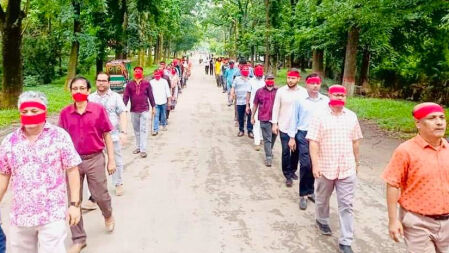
<point>417,178</point>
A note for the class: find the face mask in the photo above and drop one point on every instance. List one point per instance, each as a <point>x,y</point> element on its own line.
<point>79,97</point>
<point>138,75</point>
<point>258,72</point>
<point>157,76</point>
<point>245,73</point>
<point>33,119</point>
<point>173,71</point>
<point>269,83</point>
<point>337,103</point>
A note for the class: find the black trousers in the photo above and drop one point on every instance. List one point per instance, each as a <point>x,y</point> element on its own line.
<point>306,179</point>
<point>289,158</point>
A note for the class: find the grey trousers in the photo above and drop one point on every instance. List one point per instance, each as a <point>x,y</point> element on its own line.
<point>345,189</point>
<point>140,126</point>
<point>268,139</point>
<point>117,176</point>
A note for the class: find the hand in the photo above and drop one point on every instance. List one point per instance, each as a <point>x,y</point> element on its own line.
<point>357,167</point>
<point>395,230</point>
<point>292,144</point>
<point>123,138</point>
<point>275,129</point>
<point>111,166</point>
<point>316,171</point>
<point>248,110</point>
<point>153,112</point>
<point>253,120</point>
<point>73,215</point>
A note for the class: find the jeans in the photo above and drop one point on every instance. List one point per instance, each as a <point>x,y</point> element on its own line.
<point>160,117</point>
<point>241,113</point>
<point>268,139</point>
<point>140,126</point>
<point>223,82</point>
<point>2,241</point>
<point>306,179</point>
<point>117,176</point>
<point>289,158</point>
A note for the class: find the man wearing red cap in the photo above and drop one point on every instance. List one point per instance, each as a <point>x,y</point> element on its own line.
<point>255,83</point>
<point>282,114</point>
<point>162,98</point>
<point>334,134</point>
<point>303,111</point>
<point>417,179</point>
<point>140,93</point>
<point>240,87</point>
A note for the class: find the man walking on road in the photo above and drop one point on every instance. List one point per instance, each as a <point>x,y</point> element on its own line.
<point>162,97</point>
<point>282,114</point>
<point>116,109</point>
<point>263,104</point>
<point>303,111</point>
<point>140,93</point>
<point>334,136</point>
<point>218,72</point>
<point>239,91</point>
<point>229,76</point>
<point>89,126</point>
<point>255,84</point>
<point>417,178</point>
<point>37,158</point>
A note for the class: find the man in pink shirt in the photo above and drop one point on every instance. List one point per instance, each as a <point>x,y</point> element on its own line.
<point>89,126</point>
<point>36,159</point>
<point>334,134</point>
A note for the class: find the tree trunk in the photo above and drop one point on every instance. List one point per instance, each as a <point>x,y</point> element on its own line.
<point>252,54</point>
<point>267,36</point>
<point>318,62</point>
<point>11,33</point>
<point>364,72</point>
<point>161,48</point>
<point>351,60</point>
<point>74,52</point>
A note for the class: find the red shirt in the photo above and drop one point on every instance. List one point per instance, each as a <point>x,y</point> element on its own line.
<point>86,129</point>
<point>140,95</point>
<point>265,99</point>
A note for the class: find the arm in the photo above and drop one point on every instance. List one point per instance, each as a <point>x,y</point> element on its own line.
<point>151,98</point>
<point>248,106</point>
<point>274,117</point>
<point>73,177</point>
<point>395,227</point>
<point>126,94</point>
<point>4,182</point>
<point>253,112</point>
<point>356,148</point>
<point>110,152</point>
<point>314,149</point>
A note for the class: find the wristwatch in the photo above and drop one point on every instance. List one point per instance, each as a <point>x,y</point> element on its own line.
<point>75,204</point>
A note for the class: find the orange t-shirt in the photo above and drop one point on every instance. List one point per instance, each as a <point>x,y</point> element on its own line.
<point>422,174</point>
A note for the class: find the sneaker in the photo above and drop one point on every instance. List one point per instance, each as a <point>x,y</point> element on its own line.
<point>119,190</point>
<point>136,151</point>
<point>345,248</point>
<point>294,176</point>
<point>289,182</point>
<point>302,203</point>
<point>143,155</point>
<point>257,147</point>
<point>311,197</point>
<point>89,205</point>
<point>324,228</point>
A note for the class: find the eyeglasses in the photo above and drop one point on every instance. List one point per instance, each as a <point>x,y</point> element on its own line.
<point>79,88</point>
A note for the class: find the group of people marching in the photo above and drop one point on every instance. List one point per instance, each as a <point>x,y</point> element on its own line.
<point>321,135</point>
<point>45,165</point>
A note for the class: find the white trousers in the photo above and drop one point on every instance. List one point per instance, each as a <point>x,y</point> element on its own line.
<point>257,131</point>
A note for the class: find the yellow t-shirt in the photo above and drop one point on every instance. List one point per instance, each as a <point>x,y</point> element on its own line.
<point>218,68</point>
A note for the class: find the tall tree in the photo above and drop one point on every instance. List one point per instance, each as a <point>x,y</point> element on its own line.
<point>74,51</point>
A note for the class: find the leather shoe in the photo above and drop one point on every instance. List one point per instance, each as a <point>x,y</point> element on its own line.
<point>240,134</point>
<point>345,248</point>
<point>268,163</point>
<point>143,154</point>
<point>251,135</point>
<point>136,151</point>
<point>288,182</point>
<point>324,228</point>
<point>77,247</point>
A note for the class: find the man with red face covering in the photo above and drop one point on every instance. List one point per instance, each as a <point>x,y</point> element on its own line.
<point>229,77</point>
<point>89,126</point>
<point>162,97</point>
<point>174,80</point>
<point>140,93</point>
<point>239,92</point>
<point>256,83</point>
<point>334,135</point>
<point>36,158</point>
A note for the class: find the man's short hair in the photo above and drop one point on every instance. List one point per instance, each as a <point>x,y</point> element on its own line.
<point>78,78</point>
<point>104,73</point>
<point>312,75</point>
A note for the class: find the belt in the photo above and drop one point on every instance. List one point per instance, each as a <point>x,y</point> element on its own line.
<point>439,217</point>
<point>89,156</point>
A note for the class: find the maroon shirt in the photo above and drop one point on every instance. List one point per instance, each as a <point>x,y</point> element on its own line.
<point>265,99</point>
<point>86,129</point>
<point>139,96</point>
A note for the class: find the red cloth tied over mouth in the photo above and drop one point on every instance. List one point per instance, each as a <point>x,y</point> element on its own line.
<point>33,119</point>
<point>337,89</point>
<point>425,110</point>
<point>269,82</point>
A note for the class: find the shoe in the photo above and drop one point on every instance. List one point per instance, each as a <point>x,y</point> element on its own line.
<point>294,176</point>
<point>236,124</point>
<point>288,182</point>
<point>240,134</point>
<point>143,154</point>
<point>164,128</point>
<point>268,163</point>
<point>345,248</point>
<point>257,147</point>
<point>136,151</point>
<point>311,197</point>
<point>110,225</point>
<point>229,104</point>
<point>224,92</point>
<point>119,190</point>
<point>154,133</point>
<point>324,229</point>
<point>302,203</point>
<point>251,135</point>
<point>77,247</point>
<point>89,205</point>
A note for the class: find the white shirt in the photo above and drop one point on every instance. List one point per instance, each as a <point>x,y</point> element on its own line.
<point>283,105</point>
<point>161,91</point>
<point>255,84</point>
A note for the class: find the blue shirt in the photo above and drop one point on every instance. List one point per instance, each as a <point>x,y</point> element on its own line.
<point>303,110</point>
<point>229,75</point>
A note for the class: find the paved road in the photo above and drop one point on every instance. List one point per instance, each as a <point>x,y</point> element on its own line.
<point>202,189</point>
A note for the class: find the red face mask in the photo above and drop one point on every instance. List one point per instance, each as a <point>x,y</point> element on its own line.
<point>80,97</point>
<point>269,82</point>
<point>33,119</point>
<point>245,72</point>
<point>157,76</point>
<point>173,71</point>
<point>258,72</point>
<point>337,103</point>
<point>138,75</point>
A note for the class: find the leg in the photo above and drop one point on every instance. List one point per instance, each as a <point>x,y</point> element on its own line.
<point>306,179</point>
<point>267,139</point>
<point>78,232</point>
<point>345,189</point>
<point>52,236</point>
<point>22,240</point>
<point>117,176</point>
<point>163,115</point>
<point>156,119</point>
<point>418,234</point>
<point>135,120</point>
<point>294,159</point>
<point>144,117</point>
<point>2,241</point>
<point>249,125</point>
<point>241,117</point>
<point>286,157</point>
<point>442,244</point>
<point>323,191</point>
<point>98,185</point>
<point>257,131</point>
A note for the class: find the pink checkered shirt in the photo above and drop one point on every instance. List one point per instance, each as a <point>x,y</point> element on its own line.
<point>335,134</point>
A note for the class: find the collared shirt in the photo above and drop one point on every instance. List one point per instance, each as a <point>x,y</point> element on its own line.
<point>229,75</point>
<point>303,110</point>
<point>241,87</point>
<point>422,173</point>
<point>217,68</point>
<point>38,175</point>
<point>254,85</point>
<point>335,135</point>
<point>140,95</point>
<point>283,105</point>
<point>86,129</point>
<point>113,103</point>
<point>264,98</point>
<point>161,91</point>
